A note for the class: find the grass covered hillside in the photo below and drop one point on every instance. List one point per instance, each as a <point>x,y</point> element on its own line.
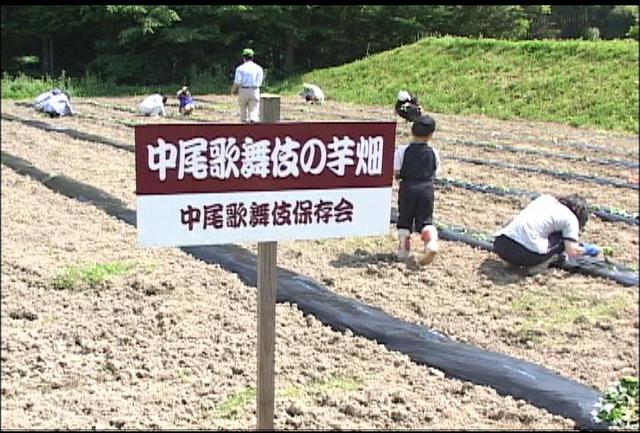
<point>582,83</point>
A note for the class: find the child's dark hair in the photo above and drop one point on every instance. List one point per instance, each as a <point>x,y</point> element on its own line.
<point>578,206</point>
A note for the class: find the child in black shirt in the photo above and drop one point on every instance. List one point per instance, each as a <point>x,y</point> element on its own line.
<point>416,166</point>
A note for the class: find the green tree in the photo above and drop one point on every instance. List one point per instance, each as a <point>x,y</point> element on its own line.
<point>573,21</point>
<point>509,22</point>
<point>38,30</point>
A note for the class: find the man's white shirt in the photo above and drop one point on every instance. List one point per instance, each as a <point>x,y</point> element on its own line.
<point>249,74</point>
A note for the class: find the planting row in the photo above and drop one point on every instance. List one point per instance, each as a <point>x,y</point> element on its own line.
<point>536,134</point>
<point>596,195</point>
<point>610,269</point>
<point>620,178</point>
<point>607,214</point>
<point>618,245</point>
<point>524,134</point>
<point>229,111</point>
<point>602,212</point>
<point>553,173</point>
<point>448,204</point>
<point>488,146</point>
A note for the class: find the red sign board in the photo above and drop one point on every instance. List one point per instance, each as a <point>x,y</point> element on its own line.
<point>215,153</point>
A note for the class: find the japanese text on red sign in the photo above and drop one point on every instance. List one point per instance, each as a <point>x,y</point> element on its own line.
<point>224,158</point>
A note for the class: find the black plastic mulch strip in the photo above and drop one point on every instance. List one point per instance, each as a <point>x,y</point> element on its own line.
<point>513,149</point>
<point>581,145</point>
<point>602,212</point>
<point>585,265</point>
<point>537,385</point>
<point>561,175</point>
<point>599,148</point>
<point>607,214</point>
<point>600,161</point>
<point>70,132</point>
<point>190,117</point>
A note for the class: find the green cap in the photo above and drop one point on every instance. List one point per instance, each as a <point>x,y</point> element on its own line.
<point>247,52</point>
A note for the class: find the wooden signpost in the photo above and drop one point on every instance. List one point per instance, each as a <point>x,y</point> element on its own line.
<point>209,183</point>
<point>267,262</point>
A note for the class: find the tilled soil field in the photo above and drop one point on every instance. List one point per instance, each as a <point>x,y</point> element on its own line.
<point>171,342</point>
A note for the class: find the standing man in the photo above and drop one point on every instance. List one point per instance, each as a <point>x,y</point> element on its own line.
<point>246,84</point>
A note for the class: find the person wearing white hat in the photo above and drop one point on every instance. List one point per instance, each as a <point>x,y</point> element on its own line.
<point>246,84</point>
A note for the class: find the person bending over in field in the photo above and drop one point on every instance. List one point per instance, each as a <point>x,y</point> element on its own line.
<point>416,166</point>
<point>312,93</point>
<point>153,105</point>
<point>55,103</point>
<point>545,232</point>
<point>407,106</point>
<point>42,98</point>
<point>186,101</point>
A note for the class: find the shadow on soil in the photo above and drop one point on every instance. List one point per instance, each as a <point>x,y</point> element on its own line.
<point>501,273</point>
<point>362,259</point>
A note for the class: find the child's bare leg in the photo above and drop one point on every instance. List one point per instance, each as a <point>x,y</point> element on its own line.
<point>429,236</point>
<point>404,244</point>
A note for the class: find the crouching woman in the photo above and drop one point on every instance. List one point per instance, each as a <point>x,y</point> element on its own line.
<point>544,232</point>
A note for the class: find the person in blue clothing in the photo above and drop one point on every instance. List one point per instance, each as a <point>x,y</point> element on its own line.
<point>416,166</point>
<point>186,104</point>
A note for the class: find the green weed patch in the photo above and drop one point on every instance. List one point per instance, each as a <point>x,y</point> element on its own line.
<point>619,406</point>
<point>230,407</point>
<point>555,312</point>
<point>92,276</point>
